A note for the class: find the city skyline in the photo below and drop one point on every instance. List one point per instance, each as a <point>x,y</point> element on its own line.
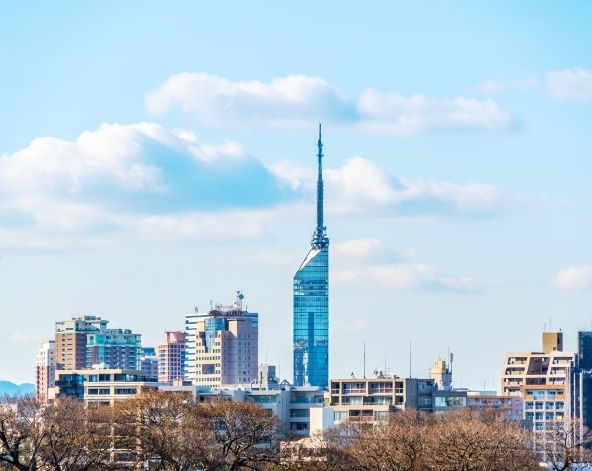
<point>153,159</point>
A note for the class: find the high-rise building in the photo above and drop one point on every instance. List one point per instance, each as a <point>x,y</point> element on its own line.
<point>114,348</point>
<point>541,380</point>
<point>45,370</point>
<point>84,341</point>
<point>70,340</point>
<point>580,383</point>
<point>222,345</point>
<point>311,302</point>
<point>170,356</point>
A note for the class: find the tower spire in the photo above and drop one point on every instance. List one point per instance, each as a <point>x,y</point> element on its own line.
<point>320,186</point>
<point>320,239</point>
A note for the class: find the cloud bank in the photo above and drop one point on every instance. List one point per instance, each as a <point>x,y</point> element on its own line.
<point>298,99</point>
<point>574,278</point>
<point>570,85</point>
<point>361,186</point>
<point>146,182</point>
<point>368,260</point>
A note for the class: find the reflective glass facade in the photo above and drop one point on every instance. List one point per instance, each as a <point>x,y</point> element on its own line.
<point>311,302</point>
<point>311,319</point>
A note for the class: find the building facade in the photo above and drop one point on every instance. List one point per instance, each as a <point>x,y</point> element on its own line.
<point>84,341</point>
<point>70,340</point>
<point>114,348</point>
<point>101,386</point>
<point>222,346</point>
<point>579,383</point>
<point>45,370</point>
<point>170,356</point>
<point>373,399</point>
<point>541,380</point>
<point>149,365</point>
<point>311,303</point>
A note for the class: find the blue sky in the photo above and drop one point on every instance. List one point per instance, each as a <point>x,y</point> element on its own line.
<point>154,158</point>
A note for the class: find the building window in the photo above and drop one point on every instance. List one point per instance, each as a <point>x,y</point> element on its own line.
<point>300,426</point>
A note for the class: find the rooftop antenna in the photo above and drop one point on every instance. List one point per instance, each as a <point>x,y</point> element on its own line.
<point>550,328</point>
<point>410,358</point>
<point>364,359</point>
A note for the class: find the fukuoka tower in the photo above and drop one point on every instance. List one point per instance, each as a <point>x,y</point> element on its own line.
<point>311,302</point>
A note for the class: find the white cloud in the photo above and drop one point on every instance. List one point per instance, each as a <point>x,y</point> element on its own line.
<point>404,276</point>
<point>161,185</point>
<point>374,263</point>
<point>391,112</point>
<point>140,179</point>
<point>215,99</point>
<point>298,99</point>
<point>269,259</point>
<point>114,152</point>
<point>496,87</point>
<point>571,85</point>
<point>19,337</point>
<point>361,186</point>
<point>355,326</point>
<point>367,250</point>
<point>574,278</point>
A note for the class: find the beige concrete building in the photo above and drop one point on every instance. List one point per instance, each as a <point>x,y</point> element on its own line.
<point>100,385</point>
<point>170,355</point>
<point>374,398</point>
<point>540,380</point>
<point>45,370</point>
<point>547,368</point>
<point>222,346</point>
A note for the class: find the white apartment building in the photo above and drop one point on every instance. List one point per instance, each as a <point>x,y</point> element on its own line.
<point>45,366</point>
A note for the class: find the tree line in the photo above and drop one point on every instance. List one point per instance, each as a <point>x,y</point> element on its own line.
<point>164,431</point>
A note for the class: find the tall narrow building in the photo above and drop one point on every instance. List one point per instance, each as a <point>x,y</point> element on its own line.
<point>311,302</point>
<point>45,370</point>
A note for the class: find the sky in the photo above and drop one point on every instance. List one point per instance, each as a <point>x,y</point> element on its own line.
<point>155,157</point>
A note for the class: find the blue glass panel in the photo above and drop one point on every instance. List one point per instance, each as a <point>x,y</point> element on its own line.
<point>311,320</point>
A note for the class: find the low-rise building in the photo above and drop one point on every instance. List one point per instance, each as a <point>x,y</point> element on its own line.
<point>374,398</point>
<point>103,386</point>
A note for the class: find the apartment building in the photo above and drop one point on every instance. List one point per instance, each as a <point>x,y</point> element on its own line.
<point>101,386</point>
<point>170,356</point>
<point>222,345</point>
<point>45,370</point>
<point>70,340</point>
<point>374,398</point>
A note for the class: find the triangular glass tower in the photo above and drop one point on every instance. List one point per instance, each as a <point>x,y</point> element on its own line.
<point>311,303</point>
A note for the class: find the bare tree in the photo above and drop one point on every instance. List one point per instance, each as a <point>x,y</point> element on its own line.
<point>395,444</point>
<point>246,436</point>
<point>21,432</point>
<point>478,440</point>
<point>564,444</point>
<point>164,431</point>
<point>76,437</point>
